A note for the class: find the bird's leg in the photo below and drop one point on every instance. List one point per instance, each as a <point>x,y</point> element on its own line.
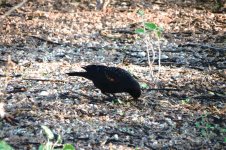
<point>111,96</point>
<point>107,94</point>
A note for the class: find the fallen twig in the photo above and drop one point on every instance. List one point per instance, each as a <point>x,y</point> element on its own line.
<point>12,76</point>
<point>46,40</point>
<point>49,80</point>
<point>202,46</point>
<point>11,10</point>
<point>164,89</point>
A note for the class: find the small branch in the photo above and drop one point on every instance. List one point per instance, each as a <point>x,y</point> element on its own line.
<point>11,10</point>
<point>49,80</point>
<point>159,61</point>
<point>12,76</point>
<point>163,89</point>
<point>46,40</point>
<point>203,47</point>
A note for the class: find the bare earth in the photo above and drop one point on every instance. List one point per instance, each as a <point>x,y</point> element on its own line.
<point>46,39</point>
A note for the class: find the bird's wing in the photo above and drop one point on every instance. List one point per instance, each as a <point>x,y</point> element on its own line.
<point>112,76</point>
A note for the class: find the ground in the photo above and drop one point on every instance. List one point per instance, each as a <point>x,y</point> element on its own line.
<point>42,40</point>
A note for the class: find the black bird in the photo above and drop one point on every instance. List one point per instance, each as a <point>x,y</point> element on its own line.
<point>110,79</point>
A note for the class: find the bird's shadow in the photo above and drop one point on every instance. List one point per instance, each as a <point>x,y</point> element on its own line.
<point>103,99</point>
<point>77,96</point>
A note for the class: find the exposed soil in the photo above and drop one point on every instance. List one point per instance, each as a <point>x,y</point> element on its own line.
<point>46,39</point>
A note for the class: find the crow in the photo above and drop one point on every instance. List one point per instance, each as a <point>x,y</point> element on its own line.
<point>110,80</point>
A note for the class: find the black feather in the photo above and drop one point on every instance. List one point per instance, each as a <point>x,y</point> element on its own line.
<point>110,79</point>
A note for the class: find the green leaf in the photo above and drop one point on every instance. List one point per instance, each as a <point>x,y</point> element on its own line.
<point>225,140</point>
<point>120,113</point>
<point>209,126</point>
<point>160,29</point>
<point>197,124</point>
<point>203,132</point>
<point>140,12</point>
<point>68,147</point>
<point>41,147</point>
<point>211,93</point>
<point>183,102</point>
<point>144,85</point>
<point>223,130</point>
<point>150,26</point>
<point>221,95</point>
<point>139,31</point>
<point>48,132</point>
<point>5,146</point>
<point>48,146</point>
<point>158,33</point>
<point>59,139</point>
<point>119,101</point>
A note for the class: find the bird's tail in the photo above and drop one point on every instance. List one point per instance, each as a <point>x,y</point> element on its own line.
<point>80,74</point>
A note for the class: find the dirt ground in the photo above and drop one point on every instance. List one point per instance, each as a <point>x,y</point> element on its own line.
<point>42,40</point>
